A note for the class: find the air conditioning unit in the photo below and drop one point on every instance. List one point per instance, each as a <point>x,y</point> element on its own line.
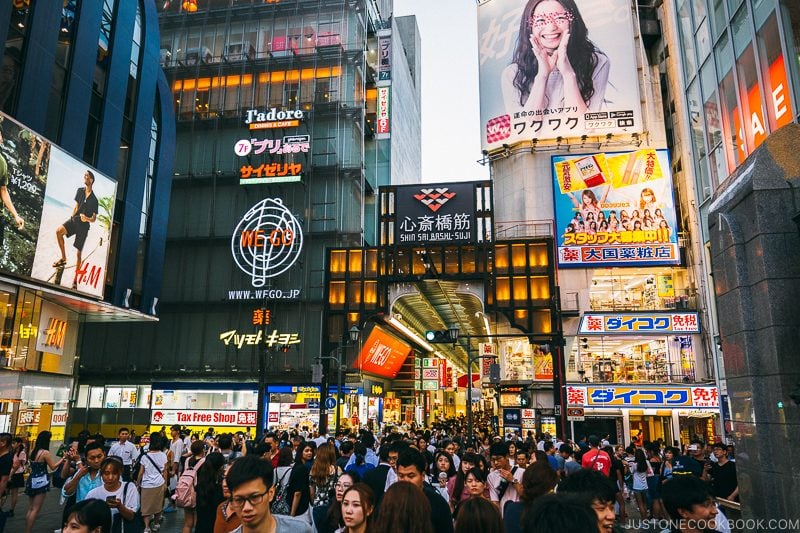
<point>239,51</point>
<point>200,55</point>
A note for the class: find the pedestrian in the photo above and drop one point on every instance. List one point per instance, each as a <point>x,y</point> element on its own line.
<point>600,491</point>
<point>122,498</point>
<point>457,487</point>
<point>411,467</point>
<point>86,478</point>
<point>689,500</point>
<point>38,483</point>
<point>197,450</point>
<point>89,516</point>
<point>539,479</point>
<point>322,479</point>
<point>125,450</point>
<point>504,481</point>
<point>250,481</point>
<point>299,492</point>
<point>560,512</point>
<point>209,492</point>
<point>357,508</point>
<point>442,471</point>
<point>152,479</point>
<point>227,518</point>
<point>405,509</point>
<point>478,514</point>
<point>18,466</point>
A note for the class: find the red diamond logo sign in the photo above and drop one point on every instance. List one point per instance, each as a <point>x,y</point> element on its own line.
<point>434,198</point>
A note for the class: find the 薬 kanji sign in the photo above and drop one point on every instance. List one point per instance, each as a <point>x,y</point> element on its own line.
<point>643,396</point>
<point>637,324</point>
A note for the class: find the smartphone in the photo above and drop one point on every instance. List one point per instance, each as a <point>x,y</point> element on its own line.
<point>110,499</point>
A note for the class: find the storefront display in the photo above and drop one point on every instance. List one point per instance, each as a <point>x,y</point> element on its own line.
<point>292,406</point>
<point>516,361</point>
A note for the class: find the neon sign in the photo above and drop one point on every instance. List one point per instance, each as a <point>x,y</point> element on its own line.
<point>267,241</point>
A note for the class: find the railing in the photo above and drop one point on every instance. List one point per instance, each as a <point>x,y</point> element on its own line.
<point>521,229</point>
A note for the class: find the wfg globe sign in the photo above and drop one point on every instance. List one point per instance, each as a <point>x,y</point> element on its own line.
<point>267,241</point>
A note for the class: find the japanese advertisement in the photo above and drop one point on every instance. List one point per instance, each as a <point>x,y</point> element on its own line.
<point>383,355</point>
<point>615,209</point>
<point>556,69</point>
<point>57,213</point>
<point>643,396</point>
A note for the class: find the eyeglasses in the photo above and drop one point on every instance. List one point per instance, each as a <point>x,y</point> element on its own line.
<point>253,499</point>
<point>559,19</point>
<point>343,485</point>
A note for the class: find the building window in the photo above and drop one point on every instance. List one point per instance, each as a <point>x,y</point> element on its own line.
<point>687,38</point>
<point>99,80</point>
<point>12,57</point>
<point>63,54</point>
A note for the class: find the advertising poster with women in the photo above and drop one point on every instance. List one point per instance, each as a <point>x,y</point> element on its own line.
<point>615,209</point>
<point>56,216</point>
<point>556,68</point>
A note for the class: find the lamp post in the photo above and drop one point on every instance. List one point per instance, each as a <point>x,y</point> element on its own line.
<point>352,337</point>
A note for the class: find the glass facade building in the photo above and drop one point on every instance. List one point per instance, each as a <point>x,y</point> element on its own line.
<point>310,106</point>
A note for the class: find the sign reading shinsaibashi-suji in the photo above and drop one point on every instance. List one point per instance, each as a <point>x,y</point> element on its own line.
<point>435,213</point>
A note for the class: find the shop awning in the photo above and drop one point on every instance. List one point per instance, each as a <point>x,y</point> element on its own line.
<point>462,380</point>
<point>91,310</point>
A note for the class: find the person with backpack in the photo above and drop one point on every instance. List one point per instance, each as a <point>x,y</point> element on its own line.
<point>152,478</point>
<point>209,492</point>
<point>281,503</point>
<point>185,495</point>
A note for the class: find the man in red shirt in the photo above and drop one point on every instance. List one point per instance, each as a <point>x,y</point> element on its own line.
<point>595,458</point>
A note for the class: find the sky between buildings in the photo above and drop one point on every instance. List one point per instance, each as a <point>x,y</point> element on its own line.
<point>450,119</point>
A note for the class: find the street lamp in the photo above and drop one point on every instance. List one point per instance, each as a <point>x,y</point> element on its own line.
<point>352,337</point>
<point>453,331</point>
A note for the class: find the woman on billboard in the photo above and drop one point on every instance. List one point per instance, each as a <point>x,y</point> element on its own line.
<point>555,65</point>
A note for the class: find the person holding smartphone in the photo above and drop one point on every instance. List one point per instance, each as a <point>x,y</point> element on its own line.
<point>113,490</point>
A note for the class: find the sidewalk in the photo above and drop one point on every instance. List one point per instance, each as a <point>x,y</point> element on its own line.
<point>49,518</point>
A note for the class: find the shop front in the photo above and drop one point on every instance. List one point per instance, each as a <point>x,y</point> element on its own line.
<point>641,413</point>
<point>292,407</point>
<point>223,407</point>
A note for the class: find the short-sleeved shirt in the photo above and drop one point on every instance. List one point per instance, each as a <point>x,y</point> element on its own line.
<point>131,497</point>
<point>176,447</point>
<point>724,479</point>
<point>127,452</point>
<point>6,462</point>
<point>86,206</point>
<point>153,465</point>
<point>86,484</point>
<point>597,460</point>
<point>298,482</point>
<point>287,524</point>
<point>510,495</point>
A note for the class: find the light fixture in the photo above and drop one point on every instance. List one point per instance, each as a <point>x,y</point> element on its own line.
<point>453,331</point>
<point>399,326</point>
<point>354,333</point>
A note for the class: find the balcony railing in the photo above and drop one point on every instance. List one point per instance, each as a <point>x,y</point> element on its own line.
<point>605,372</point>
<point>523,229</point>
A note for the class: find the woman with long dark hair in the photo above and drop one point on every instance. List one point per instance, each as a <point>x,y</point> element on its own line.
<point>457,485</point>
<point>357,506</point>
<point>555,65</point>
<point>322,479</point>
<point>404,508</point>
<point>209,492</point>
<point>479,514</point>
<point>38,483</point>
<point>442,470</point>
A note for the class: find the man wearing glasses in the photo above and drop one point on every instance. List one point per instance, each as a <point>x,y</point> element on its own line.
<point>250,481</point>
<point>384,475</point>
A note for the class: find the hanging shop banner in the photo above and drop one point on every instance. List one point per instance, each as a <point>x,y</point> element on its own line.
<point>515,37</point>
<point>643,396</point>
<point>615,209</point>
<point>383,355</point>
<point>384,55</point>
<point>45,189</point>
<point>267,241</point>
<point>52,331</point>
<point>489,356</point>
<point>166,417</point>
<point>638,324</point>
<point>436,213</point>
<point>542,363</point>
<point>383,118</point>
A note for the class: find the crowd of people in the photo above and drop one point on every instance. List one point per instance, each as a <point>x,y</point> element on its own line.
<point>403,480</point>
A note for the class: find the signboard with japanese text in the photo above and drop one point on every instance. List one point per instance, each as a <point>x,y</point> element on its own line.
<point>384,55</point>
<point>383,114</point>
<point>518,44</point>
<point>615,209</point>
<point>47,188</point>
<point>435,213</point>
<point>639,323</point>
<point>489,356</point>
<point>512,418</point>
<point>272,339</point>
<point>383,355</point>
<point>166,417</point>
<point>643,396</point>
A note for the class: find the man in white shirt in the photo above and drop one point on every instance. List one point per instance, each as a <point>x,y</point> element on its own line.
<point>505,483</point>
<point>125,450</point>
<point>176,447</point>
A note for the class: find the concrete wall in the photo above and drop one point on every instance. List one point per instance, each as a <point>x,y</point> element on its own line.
<point>755,255</point>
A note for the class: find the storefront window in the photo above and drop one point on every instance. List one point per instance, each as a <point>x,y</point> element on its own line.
<point>516,360</point>
<point>96,397</point>
<point>294,406</point>
<point>641,290</point>
<point>773,73</point>
<point>205,399</point>
<point>620,359</point>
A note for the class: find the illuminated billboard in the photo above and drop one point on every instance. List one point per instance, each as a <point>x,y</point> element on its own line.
<point>615,209</point>
<point>548,70</point>
<point>382,354</point>
<point>57,213</point>
<point>436,213</point>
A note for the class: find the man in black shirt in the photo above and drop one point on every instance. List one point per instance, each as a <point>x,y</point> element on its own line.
<point>6,460</point>
<point>690,464</point>
<point>411,467</point>
<point>722,474</point>
<point>83,214</point>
